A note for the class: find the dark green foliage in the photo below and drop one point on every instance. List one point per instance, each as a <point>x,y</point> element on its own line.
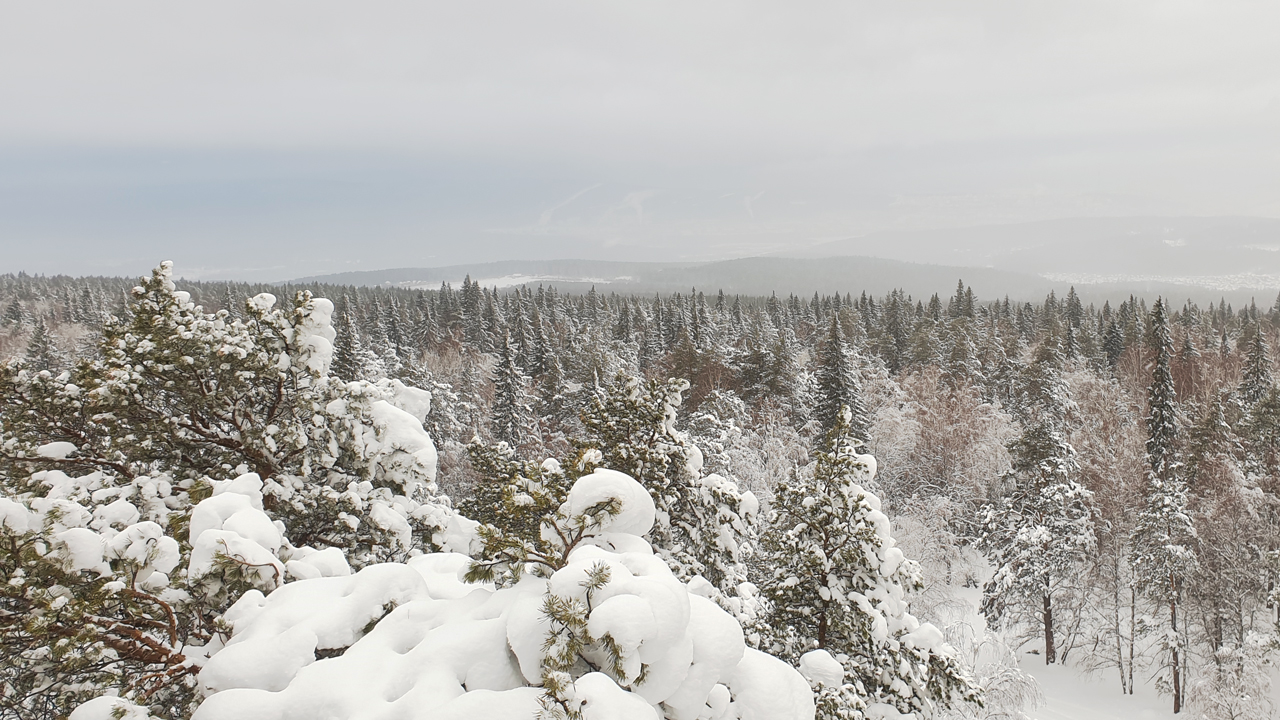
<point>42,350</point>
<point>838,386</point>
<point>827,549</point>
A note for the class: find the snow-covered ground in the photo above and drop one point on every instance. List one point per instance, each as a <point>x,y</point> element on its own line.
<point>1070,695</point>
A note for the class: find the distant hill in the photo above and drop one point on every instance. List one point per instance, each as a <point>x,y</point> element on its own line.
<point>746,276</point>
<point>1169,247</point>
<point>1202,259</point>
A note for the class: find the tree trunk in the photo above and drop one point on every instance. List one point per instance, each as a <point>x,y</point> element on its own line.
<point>1133,630</point>
<point>1050,652</point>
<point>822,627</point>
<point>1176,664</point>
<point>1119,627</point>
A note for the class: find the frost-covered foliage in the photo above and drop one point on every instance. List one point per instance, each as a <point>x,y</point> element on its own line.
<point>1238,682</point>
<point>121,584</point>
<point>136,465</point>
<point>610,635</point>
<point>1037,536</point>
<point>1162,556</point>
<point>836,581</point>
<point>1007,692</point>
<point>177,390</point>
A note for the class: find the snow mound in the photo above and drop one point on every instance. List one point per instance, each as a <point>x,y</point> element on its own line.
<point>818,666</point>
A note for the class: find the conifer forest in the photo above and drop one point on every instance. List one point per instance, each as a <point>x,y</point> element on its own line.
<point>231,501</point>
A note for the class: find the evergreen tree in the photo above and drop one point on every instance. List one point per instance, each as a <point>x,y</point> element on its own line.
<point>961,368</point>
<point>1257,369</point>
<point>838,386</point>
<point>42,349</point>
<point>1037,537</point>
<point>348,351</point>
<point>1262,428</point>
<point>703,524</point>
<point>14,314</point>
<point>511,414</point>
<point>835,581</point>
<point>1162,554</point>
<point>231,304</point>
<point>1038,534</point>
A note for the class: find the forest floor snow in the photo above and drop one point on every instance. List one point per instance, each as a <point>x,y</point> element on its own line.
<point>1071,695</point>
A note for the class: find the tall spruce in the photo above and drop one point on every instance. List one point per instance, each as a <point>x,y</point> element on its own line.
<point>1162,554</point>
<point>42,349</point>
<point>1256,380</point>
<point>511,414</point>
<point>838,386</point>
<point>1038,535</point>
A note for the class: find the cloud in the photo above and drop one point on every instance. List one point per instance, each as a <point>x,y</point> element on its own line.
<point>545,217</point>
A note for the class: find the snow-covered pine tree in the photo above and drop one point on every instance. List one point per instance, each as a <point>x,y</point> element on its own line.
<point>832,578</point>
<point>1162,554</point>
<point>1036,536</point>
<point>838,385</point>
<point>703,521</point>
<point>196,395</point>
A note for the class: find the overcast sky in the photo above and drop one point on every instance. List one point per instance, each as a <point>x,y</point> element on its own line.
<point>267,140</point>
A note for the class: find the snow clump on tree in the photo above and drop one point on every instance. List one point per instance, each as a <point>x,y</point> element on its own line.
<point>610,635</point>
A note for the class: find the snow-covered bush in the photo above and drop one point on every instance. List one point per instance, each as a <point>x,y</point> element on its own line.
<point>1238,683</point>
<point>121,584</point>
<point>610,634</point>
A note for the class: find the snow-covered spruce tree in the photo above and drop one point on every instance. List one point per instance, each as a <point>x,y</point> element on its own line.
<point>350,358</point>
<point>1039,533</point>
<point>1262,428</point>
<point>1162,554</point>
<point>832,579</point>
<point>1256,380</point>
<point>512,417</point>
<point>703,521</point>
<point>1038,536</point>
<point>42,349</point>
<point>838,386</point>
